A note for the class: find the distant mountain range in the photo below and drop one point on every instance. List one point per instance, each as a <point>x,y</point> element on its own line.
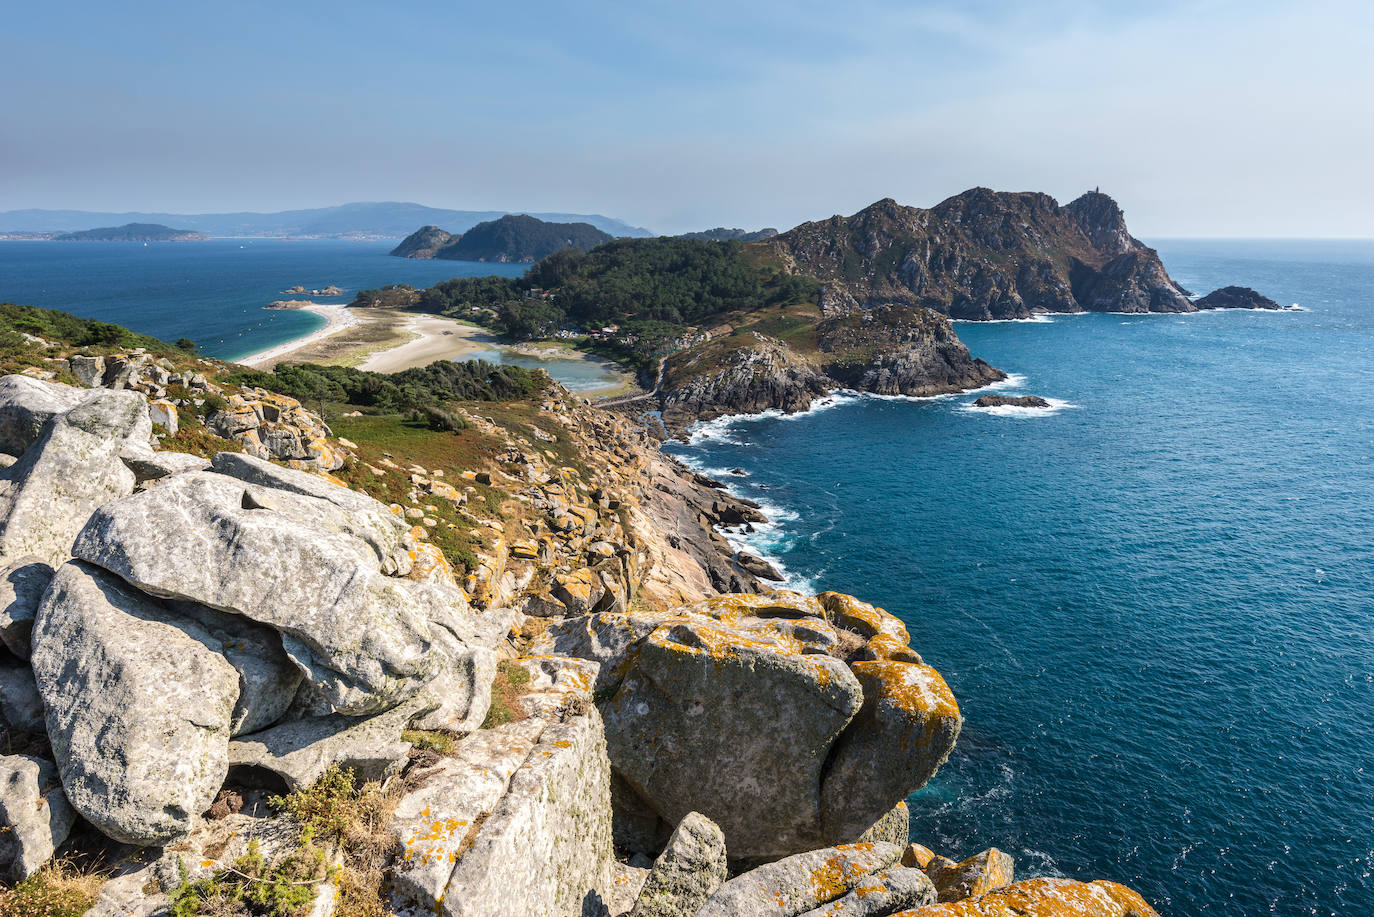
<point>388,219</point>
<point>512,238</point>
<point>721,234</point>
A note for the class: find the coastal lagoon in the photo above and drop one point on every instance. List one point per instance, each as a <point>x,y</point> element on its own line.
<point>1155,602</point>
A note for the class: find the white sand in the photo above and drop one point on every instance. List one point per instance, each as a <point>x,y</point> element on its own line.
<point>337,318</point>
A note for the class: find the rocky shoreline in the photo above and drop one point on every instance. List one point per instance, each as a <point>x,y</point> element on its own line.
<point>241,681</point>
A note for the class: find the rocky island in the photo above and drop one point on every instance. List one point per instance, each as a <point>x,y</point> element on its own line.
<point>1011,401</point>
<point>132,232</point>
<point>511,238</point>
<point>494,663</point>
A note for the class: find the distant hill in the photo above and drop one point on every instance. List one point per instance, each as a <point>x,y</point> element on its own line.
<point>132,232</point>
<point>721,234</point>
<point>387,219</point>
<point>512,238</point>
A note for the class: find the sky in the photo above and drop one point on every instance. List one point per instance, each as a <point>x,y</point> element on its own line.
<point>1204,118</point>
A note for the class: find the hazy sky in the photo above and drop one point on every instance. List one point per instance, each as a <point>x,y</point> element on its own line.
<point>1224,118</point>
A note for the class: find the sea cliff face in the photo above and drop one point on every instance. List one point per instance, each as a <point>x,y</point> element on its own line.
<point>985,255</point>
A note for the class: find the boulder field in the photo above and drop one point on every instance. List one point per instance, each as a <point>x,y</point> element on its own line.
<point>182,635</point>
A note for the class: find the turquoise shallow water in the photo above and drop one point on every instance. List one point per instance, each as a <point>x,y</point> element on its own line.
<point>1155,603</point>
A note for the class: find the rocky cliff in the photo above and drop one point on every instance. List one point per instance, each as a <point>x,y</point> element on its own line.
<point>887,350</point>
<point>985,255</point>
<point>424,242</point>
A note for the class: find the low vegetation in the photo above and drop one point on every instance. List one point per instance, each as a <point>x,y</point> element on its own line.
<point>409,390</point>
<point>59,889</point>
<point>512,682</point>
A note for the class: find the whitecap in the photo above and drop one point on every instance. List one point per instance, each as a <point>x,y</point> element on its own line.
<point>1037,318</point>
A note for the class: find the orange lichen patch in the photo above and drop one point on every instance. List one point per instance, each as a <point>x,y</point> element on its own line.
<point>720,643</point>
<point>1045,898</point>
<point>914,689</point>
<point>888,646</point>
<point>917,856</point>
<point>834,878</point>
<point>861,617</point>
<point>975,876</point>
<point>428,564</point>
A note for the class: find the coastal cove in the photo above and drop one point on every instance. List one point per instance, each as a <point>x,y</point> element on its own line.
<point>215,292</point>
<point>1151,599</point>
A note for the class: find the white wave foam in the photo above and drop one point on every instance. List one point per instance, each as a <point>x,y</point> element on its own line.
<point>1038,318</point>
<point>1008,410</point>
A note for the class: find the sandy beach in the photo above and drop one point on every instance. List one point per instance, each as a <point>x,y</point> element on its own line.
<point>337,318</point>
<point>431,337</point>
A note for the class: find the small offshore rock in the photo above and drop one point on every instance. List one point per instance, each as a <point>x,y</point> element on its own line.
<point>1011,401</point>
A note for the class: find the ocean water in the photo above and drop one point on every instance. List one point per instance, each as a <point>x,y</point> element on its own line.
<point>1155,602</point>
<point>211,292</point>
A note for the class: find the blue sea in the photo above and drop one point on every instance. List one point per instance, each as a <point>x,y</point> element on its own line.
<point>211,292</point>
<point>214,292</point>
<point>1154,602</point>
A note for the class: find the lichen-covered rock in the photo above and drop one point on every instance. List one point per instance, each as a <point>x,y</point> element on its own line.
<point>545,850</point>
<point>138,704</point>
<point>432,823</point>
<point>892,828</point>
<point>905,731</point>
<point>975,876</point>
<point>22,585</point>
<point>273,426</point>
<point>26,406</point>
<point>284,560</point>
<point>1045,898</point>
<point>881,893</point>
<point>268,679</point>
<point>917,856</point>
<point>20,704</point>
<point>735,724</point>
<point>688,871</point>
<point>34,815</point>
<point>762,712</point>
<point>799,883</point>
<point>72,468</point>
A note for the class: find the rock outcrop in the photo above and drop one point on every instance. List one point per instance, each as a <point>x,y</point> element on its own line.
<point>1045,898</point>
<point>984,255</point>
<point>1236,298</point>
<point>689,870</point>
<point>1011,401</point>
<point>759,712</point>
<point>34,815</point>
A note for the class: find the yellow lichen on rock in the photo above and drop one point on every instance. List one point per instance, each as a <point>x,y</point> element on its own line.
<point>1045,898</point>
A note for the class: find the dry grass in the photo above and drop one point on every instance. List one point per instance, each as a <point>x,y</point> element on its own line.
<point>59,889</point>
<point>511,683</point>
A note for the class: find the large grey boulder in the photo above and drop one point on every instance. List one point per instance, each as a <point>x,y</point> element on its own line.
<point>73,467</point>
<point>138,705</point>
<point>299,752</point>
<point>290,562</point>
<point>34,815</point>
<point>432,822</point>
<point>22,585</point>
<point>26,406</point>
<point>545,849</point>
<point>328,506</point>
<point>791,721</point>
<point>688,871</point>
<point>800,883</point>
<point>268,679</point>
<point>717,720</point>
